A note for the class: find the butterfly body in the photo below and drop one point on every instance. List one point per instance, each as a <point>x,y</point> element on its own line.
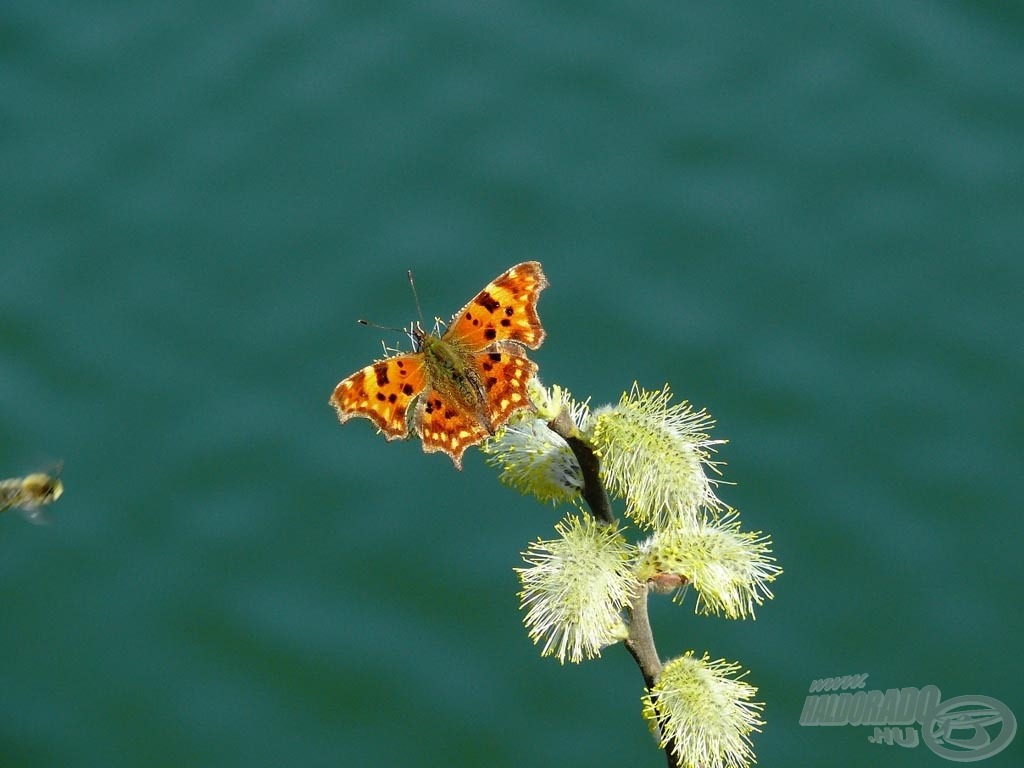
<point>463,384</point>
<point>449,365</point>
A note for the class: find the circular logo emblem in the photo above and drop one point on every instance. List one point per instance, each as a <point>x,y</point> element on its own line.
<point>969,728</point>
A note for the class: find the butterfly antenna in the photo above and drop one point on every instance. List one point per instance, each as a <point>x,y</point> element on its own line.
<point>416,298</point>
<point>410,332</point>
<point>368,324</point>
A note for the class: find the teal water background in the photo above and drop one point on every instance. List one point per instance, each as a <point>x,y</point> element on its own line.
<point>807,219</point>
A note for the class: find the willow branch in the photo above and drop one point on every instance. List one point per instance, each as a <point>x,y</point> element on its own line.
<point>594,492</point>
<point>640,642</point>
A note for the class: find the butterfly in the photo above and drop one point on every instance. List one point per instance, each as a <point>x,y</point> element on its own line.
<point>459,386</point>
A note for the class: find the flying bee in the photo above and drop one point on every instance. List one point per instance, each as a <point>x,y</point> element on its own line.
<point>30,494</point>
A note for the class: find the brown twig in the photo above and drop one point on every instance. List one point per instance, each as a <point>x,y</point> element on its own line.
<point>640,642</point>
<point>594,492</point>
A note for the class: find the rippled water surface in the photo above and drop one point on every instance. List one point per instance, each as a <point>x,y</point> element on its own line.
<point>806,219</point>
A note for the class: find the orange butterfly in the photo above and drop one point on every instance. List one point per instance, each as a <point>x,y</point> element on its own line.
<point>466,382</point>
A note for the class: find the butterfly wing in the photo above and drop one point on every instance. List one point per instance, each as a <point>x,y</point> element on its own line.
<point>505,310</point>
<point>449,428</point>
<point>446,428</point>
<point>504,374</point>
<point>382,393</point>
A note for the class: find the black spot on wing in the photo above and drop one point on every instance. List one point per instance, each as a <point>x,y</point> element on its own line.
<point>487,301</point>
